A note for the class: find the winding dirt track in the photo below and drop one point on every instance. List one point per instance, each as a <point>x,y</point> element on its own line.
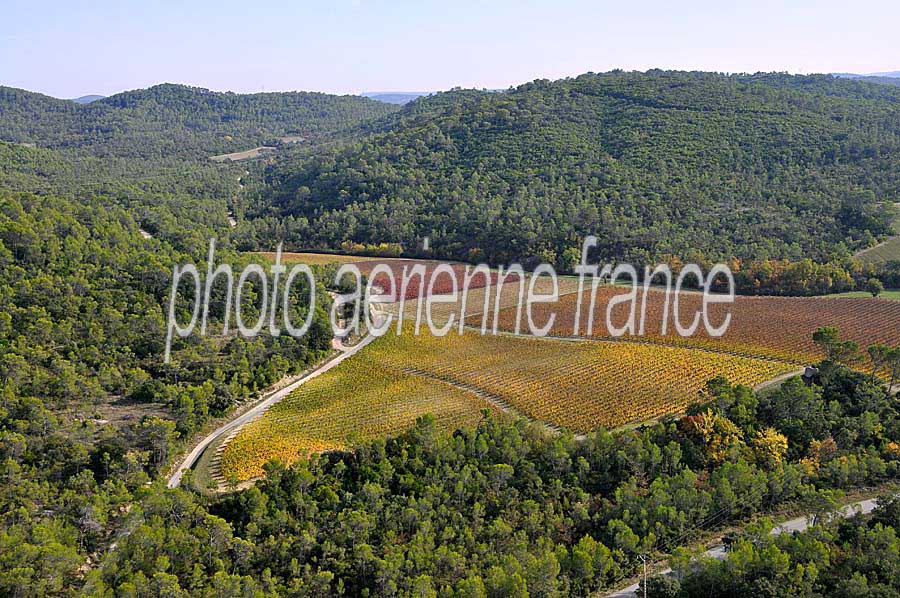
<point>248,416</point>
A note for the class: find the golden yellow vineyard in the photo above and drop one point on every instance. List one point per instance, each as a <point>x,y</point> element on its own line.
<point>360,399</point>
<point>577,385</point>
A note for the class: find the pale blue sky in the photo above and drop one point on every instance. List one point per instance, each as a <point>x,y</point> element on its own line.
<point>68,49</point>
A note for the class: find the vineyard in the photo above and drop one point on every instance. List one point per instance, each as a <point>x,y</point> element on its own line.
<point>311,259</point>
<point>576,385</point>
<point>579,385</point>
<point>475,300</point>
<point>883,252</point>
<point>362,398</point>
<point>443,283</point>
<point>773,327</point>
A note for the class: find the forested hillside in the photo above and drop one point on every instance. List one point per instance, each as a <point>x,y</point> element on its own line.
<point>655,164</point>
<point>89,413</point>
<point>836,558</point>
<point>176,120</point>
<point>148,150</point>
<point>658,164</point>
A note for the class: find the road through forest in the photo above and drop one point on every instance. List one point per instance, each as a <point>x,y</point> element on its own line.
<point>797,524</point>
<point>257,410</point>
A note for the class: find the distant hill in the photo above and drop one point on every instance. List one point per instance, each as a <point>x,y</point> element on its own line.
<point>87,99</point>
<point>655,164</point>
<point>177,120</point>
<point>148,150</point>
<point>395,97</point>
<point>891,74</point>
<point>892,78</point>
<point>881,80</point>
<point>887,78</point>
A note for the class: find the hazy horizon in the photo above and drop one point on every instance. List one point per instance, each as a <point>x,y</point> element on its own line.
<point>66,50</point>
<point>369,92</point>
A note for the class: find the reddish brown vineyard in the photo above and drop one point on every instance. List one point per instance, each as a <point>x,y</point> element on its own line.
<point>311,259</point>
<point>777,327</point>
<point>442,284</point>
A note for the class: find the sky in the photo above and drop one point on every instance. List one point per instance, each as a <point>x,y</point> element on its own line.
<point>68,49</point>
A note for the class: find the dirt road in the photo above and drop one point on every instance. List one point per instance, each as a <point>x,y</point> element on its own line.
<point>257,410</point>
<point>798,524</point>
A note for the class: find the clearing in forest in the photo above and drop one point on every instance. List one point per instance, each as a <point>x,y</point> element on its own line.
<point>886,251</point>
<point>256,152</point>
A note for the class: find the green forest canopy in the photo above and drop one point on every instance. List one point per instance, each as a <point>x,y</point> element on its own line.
<point>655,164</point>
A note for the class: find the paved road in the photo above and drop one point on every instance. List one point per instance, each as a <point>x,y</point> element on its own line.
<point>797,524</point>
<point>257,410</point>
